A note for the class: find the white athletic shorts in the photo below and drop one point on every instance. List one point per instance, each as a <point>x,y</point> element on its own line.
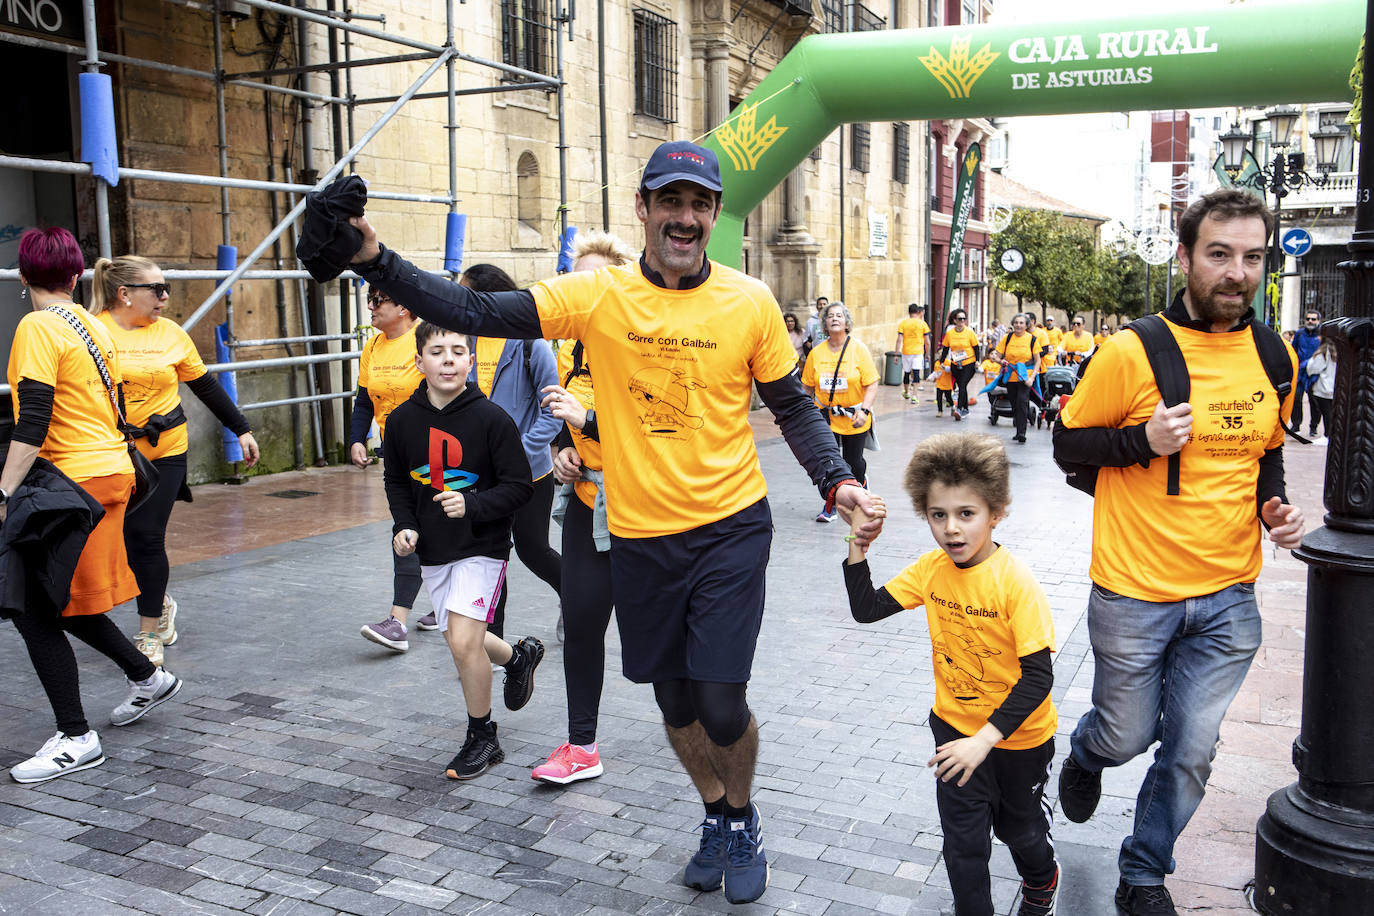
<point>916,362</point>
<point>469,587</point>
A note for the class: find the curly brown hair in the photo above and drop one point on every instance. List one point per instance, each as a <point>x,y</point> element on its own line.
<point>960,459</point>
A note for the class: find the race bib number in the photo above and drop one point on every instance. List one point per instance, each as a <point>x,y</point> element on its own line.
<point>958,356</point>
<point>835,383</point>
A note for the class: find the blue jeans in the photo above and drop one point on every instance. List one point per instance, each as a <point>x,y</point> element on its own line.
<point>1166,672</point>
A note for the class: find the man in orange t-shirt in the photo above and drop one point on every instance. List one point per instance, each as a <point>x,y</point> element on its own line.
<point>1172,613</point>
<point>679,342</point>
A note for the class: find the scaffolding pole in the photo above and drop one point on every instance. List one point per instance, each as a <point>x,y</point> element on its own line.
<point>102,191</point>
<point>325,179</point>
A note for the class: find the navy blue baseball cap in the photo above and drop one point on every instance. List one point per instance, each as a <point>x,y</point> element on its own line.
<point>682,160</point>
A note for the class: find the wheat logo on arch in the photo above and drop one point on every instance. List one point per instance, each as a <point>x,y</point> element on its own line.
<point>745,143</point>
<point>958,72</point>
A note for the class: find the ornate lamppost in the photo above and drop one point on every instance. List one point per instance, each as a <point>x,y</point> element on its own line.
<point>1285,173</point>
<point>1314,845</point>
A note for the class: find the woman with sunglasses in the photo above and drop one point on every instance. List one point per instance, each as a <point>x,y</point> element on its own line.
<point>387,376</point>
<point>1078,343</point>
<point>66,422</point>
<point>129,294</point>
<point>960,347</point>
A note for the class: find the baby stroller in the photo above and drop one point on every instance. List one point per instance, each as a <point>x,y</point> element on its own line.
<point>1056,384</point>
<point>999,405</point>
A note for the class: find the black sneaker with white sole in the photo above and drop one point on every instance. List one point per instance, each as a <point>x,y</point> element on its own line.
<point>519,685</point>
<point>480,752</point>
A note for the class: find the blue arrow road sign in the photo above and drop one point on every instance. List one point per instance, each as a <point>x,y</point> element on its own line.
<point>1297,242</point>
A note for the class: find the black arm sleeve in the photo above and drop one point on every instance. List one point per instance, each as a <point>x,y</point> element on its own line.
<point>1102,446</point>
<point>1026,695</point>
<point>806,432</point>
<point>35,412</point>
<point>865,604</point>
<point>361,421</point>
<point>1271,482</point>
<point>213,396</point>
<point>445,303</point>
<point>563,440</point>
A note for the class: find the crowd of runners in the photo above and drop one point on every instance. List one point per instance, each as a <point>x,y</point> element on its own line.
<point>485,435</point>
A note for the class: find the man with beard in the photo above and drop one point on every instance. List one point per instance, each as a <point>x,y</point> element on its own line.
<point>1172,615</point>
<point>678,342</point>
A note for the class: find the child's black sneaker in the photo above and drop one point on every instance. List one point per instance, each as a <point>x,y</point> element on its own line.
<point>1040,901</point>
<point>480,752</point>
<point>519,686</point>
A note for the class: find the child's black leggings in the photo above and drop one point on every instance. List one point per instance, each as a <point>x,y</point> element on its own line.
<point>55,662</point>
<point>1006,796</point>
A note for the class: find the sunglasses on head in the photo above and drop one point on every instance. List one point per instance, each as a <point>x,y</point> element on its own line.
<point>159,289</point>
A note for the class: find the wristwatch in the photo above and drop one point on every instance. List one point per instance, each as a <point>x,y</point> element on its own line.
<point>4,497</point>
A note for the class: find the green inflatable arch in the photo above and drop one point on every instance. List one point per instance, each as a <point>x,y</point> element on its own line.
<point>1251,54</point>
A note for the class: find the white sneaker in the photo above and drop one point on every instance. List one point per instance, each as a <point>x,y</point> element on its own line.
<point>59,756</point>
<point>162,686</point>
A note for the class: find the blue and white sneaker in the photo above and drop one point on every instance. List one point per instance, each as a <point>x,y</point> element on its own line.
<point>706,871</point>
<point>746,867</point>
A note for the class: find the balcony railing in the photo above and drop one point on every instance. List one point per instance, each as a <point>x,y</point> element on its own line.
<point>1339,191</point>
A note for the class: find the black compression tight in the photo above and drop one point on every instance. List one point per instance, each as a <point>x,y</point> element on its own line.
<point>530,531</point>
<point>55,663</point>
<point>586,614</point>
<point>722,709</point>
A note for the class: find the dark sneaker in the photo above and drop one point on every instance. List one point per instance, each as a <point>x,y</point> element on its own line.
<point>706,871</point>
<point>1145,899</point>
<point>428,622</point>
<point>519,686</point>
<point>390,633</point>
<point>1039,901</point>
<point>59,756</point>
<point>1079,790</point>
<point>480,753</point>
<point>159,688</point>
<point>746,867</point>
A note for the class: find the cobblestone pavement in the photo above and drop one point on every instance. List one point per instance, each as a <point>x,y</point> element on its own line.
<point>301,770</point>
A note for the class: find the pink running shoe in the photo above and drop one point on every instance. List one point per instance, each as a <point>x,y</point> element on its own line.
<point>568,764</point>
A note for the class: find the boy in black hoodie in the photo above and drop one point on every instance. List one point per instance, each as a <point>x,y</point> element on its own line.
<point>455,474</point>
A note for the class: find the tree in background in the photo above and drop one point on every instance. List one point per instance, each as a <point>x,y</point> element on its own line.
<point>1034,233</point>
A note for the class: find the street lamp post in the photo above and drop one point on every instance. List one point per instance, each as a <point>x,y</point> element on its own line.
<point>1286,173</point>
<point>1314,845</point>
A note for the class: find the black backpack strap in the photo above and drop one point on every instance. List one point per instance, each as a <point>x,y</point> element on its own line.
<point>577,367</point>
<point>1170,371</point>
<point>1273,354</point>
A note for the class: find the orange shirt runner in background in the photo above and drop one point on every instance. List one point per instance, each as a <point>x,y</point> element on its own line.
<point>580,387</point>
<point>857,373</point>
<point>387,370</point>
<point>963,346</point>
<point>153,360</point>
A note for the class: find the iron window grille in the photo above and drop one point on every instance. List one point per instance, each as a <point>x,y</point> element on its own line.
<point>858,135</point>
<point>901,152</point>
<point>839,16</point>
<point>527,35</point>
<point>655,66</point>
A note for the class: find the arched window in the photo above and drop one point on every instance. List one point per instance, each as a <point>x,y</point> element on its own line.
<point>528,203</point>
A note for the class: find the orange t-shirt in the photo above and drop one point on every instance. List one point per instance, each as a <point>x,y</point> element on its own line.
<point>857,373</point>
<point>387,370</point>
<point>913,331</point>
<point>675,371</point>
<point>580,387</point>
<point>983,620</point>
<point>487,358</point>
<point>1078,342</point>
<point>83,439</point>
<point>1017,350</point>
<point>154,359</point>
<point>963,345</point>
<point>1155,547</point>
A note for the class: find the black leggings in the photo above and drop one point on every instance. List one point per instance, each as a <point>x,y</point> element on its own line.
<point>722,709</point>
<point>852,448</point>
<point>1019,395</point>
<point>962,375</point>
<point>1324,408</point>
<point>55,663</point>
<point>943,397</point>
<point>145,535</point>
<point>586,614</point>
<point>530,531</point>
